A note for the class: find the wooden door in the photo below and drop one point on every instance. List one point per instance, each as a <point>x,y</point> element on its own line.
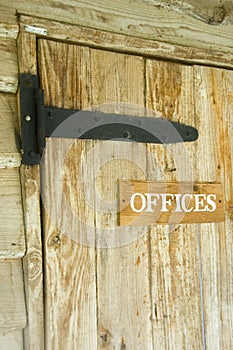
<point>111,288</point>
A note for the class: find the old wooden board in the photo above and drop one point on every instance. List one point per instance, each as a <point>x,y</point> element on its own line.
<point>122,255</point>
<point>9,130</point>
<point>163,277</point>
<point>174,257</point>
<point>32,262</point>
<point>140,19</point>
<point>147,202</point>
<point>12,301</point>
<point>214,154</point>
<point>122,42</point>
<point>12,240</point>
<point>114,277</point>
<point>70,266</point>
<point>11,340</point>
<point>8,65</point>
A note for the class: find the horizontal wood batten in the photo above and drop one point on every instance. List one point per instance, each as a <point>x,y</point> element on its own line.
<point>12,241</point>
<point>12,301</point>
<point>133,17</point>
<point>8,65</point>
<point>10,340</point>
<point>9,131</point>
<point>129,44</point>
<point>9,27</point>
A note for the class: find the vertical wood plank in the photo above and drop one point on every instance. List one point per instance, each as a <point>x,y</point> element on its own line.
<point>70,266</point>
<point>214,104</point>
<point>30,180</point>
<point>122,268</point>
<point>176,312</point>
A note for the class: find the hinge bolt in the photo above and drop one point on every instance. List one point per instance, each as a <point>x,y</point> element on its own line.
<point>27,118</point>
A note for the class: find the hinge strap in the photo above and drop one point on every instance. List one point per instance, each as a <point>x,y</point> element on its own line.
<point>39,121</point>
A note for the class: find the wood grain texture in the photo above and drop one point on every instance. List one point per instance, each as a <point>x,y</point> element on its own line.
<point>126,43</point>
<point>11,340</point>
<point>8,65</point>
<point>136,18</point>
<point>32,263</point>
<point>124,307</point>
<point>9,27</point>
<point>157,202</point>
<point>176,313</point>
<point>9,130</point>
<point>12,302</point>
<point>213,12</point>
<point>70,266</point>
<point>213,89</point>
<point>12,240</point>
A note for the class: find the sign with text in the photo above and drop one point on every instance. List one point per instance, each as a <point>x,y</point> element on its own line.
<point>149,202</point>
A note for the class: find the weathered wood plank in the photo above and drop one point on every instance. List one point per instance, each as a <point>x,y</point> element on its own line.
<point>8,65</point>
<point>122,254</point>
<point>12,240</point>
<point>32,263</point>
<point>214,12</point>
<point>125,43</point>
<point>9,130</point>
<point>11,340</point>
<point>213,91</point>
<point>70,259</point>
<point>137,19</point>
<point>12,301</point>
<point>9,27</point>
<point>174,249</point>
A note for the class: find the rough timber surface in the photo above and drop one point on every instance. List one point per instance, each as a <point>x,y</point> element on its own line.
<point>8,65</point>
<point>9,131</point>
<point>12,240</point>
<point>174,248</point>
<point>214,100</point>
<point>125,43</point>
<point>12,301</point>
<point>70,267</point>
<point>32,262</point>
<point>179,22</point>
<point>122,260</point>
<point>81,72</point>
<point>11,340</point>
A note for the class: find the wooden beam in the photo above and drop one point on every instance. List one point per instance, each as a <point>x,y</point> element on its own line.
<point>138,18</point>
<point>12,301</point>
<point>126,43</point>
<point>8,65</point>
<point>12,241</point>
<point>9,131</point>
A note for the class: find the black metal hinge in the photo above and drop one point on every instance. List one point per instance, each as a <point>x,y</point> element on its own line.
<point>39,121</point>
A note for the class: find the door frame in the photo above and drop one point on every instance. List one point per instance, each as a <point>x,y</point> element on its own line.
<point>31,29</point>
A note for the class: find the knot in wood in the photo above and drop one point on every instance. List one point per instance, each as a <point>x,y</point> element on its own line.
<point>218,17</point>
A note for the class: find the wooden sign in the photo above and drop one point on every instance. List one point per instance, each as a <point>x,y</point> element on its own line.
<point>148,202</point>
